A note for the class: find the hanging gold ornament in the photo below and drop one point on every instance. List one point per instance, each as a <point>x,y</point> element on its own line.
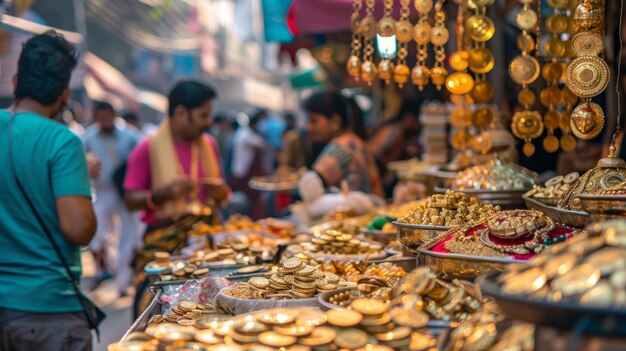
<point>588,15</point>
<point>480,28</point>
<point>386,70</point>
<point>459,83</point>
<point>527,125</point>
<point>404,35</point>
<point>386,28</point>
<point>587,120</point>
<point>368,31</point>
<point>420,74</point>
<point>480,60</point>
<point>482,92</point>
<point>458,60</point>
<point>439,36</point>
<point>354,61</point>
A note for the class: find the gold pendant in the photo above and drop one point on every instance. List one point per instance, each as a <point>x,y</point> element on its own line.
<point>527,124</point>
<point>480,60</point>
<point>459,83</point>
<point>568,143</point>
<point>551,144</point>
<point>587,120</point>
<point>587,44</point>
<point>587,76</point>
<point>480,28</point>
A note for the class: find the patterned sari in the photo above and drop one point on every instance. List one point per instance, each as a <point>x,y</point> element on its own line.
<point>347,158</point>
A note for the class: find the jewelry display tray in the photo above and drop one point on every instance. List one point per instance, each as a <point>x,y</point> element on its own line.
<point>576,219</point>
<point>412,236</point>
<point>564,316</point>
<point>449,266</point>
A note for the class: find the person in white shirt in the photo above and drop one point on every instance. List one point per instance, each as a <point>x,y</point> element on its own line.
<point>250,159</point>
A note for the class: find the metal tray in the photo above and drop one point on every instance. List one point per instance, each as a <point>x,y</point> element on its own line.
<point>564,316</point>
<point>412,236</point>
<point>571,218</point>
<point>603,207</point>
<point>449,266</point>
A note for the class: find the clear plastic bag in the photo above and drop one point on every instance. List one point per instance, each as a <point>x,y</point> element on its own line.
<point>198,290</point>
<point>239,306</point>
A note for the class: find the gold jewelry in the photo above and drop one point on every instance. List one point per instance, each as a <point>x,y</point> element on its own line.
<point>386,28</point>
<point>420,75</point>
<point>438,38</point>
<point>354,62</point>
<point>587,76</point>
<point>587,44</point>
<point>368,31</point>
<point>587,120</point>
<point>404,35</point>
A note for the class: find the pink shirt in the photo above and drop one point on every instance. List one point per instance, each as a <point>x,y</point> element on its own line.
<point>138,175</point>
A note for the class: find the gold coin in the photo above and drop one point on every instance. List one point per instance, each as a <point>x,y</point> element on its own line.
<point>524,69</point>
<point>458,60</point>
<point>608,260</point>
<point>600,295</point>
<point>587,76</point>
<point>404,31</point>
<point>557,24</point>
<point>480,28</point>
<point>576,281</point>
<point>525,42</point>
<point>551,144</point>
<point>311,317</point>
<point>482,91</point>
<point>421,342</point>
<point>208,336</point>
<point>423,6</point>
<point>555,47</point>
<point>482,117</point>
<point>587,44</point>
<point>526,97</point>
<point>460,139</point>
<point>421,33</point>
<point>552,72</point>
<point>369,307</point>
<point>395,334</point>
<point>551,96</point>
<point>370,347</point>
<point>527,124</point>
<point>559,265</point>
<point>351,338</point>
<point>587,120</point>
<point>292,263</point>
<point>461,117</point>
<point>411,318</point>
<point>386,27</point>
<point>526,19</point>
<point>552,119</point>
<point>459,83</point>
<point>277,316</point>
<point>274,339</point>
<point>188,305</point>
<point>480,60</point>
<point>344,318</point>
<point>320,336</point>
<point>368,27</point>
<point>526,282</point>
<point>294,330</point>
<point>557,4</point>
<point>439,35</point>
<point>528,149</point>
<point>259,282</point>
<point>581,247</point>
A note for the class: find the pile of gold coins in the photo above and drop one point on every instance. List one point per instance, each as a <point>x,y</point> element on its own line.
<point>368,325</point>
<point>495,176</point>
<point>451,209</point>
<point>176,270</point>
<point>589,269</point>
<point>294,280</point>
<point>340,242</point>
<point>483,331</point>
<point>187,313</point>
<point>370,287</point>
<point>352,271</point>
<point>442,301</point>
<point>553,189</point>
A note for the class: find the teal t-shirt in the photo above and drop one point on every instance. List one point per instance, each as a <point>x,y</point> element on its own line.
<point>50,163</point>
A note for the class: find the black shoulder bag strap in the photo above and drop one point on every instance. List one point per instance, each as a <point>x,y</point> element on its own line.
<point>94,314</point>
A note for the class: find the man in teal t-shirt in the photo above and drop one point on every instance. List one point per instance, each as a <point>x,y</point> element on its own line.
<point>39,308</point>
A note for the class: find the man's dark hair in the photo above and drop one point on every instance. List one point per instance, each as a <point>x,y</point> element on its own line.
<point>190,94</point>
<point>45,67</point>
<point>103,106</point>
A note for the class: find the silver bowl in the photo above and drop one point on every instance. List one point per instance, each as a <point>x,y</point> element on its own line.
<point>413,236</point>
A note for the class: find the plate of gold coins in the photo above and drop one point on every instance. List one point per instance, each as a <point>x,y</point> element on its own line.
<point>439,213</point>
<point>503,238</point>
<point>338,243</point>
<point>579,283</point>
<point>367,325</point>
<point>294,284</point>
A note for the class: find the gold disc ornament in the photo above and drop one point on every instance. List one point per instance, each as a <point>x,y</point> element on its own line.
<point>461,117</point>
<point>458,60</point>
<point>527,124</point>
<point>423,6</point>
<point>480,28</point>
<point>587,76</point>
<point>439,35</point>
<point>482,91</point>
<point>524,69</point>
<point>421,33</point>
<point>551,144</point>
<point>480,60</point>
<point>568,143</point>
<point>526,97</point>
<point>587,120</point>
<point>459,83</point>
<point>587,44</point>
<point>526,19</point>
<point>482,117</point>
<point>525,42</point>
<point>404,31</point>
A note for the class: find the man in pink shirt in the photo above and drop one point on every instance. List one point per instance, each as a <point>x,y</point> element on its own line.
<point>176,169</point>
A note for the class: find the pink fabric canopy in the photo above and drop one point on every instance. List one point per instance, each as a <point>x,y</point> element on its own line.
<point>329,16</point>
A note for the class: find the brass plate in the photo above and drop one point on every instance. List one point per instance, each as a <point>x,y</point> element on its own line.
<point>524,69</point>
<point>587,44</point>
<point>587,76</point>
